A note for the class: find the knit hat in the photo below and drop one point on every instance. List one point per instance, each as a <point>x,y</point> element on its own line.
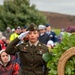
<point>3,50</point>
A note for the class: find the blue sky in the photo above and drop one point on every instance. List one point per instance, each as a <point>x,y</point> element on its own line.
<point>59,6</point>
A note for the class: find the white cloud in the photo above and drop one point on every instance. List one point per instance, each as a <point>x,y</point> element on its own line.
<point>60,6</point>
<point>1,1</point>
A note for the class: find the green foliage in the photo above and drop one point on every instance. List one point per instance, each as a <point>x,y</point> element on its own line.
<point>20,13</point>
<point>2,26</point>
<point>67,42</point>
<point>57,31</point>
<point>47,56</point>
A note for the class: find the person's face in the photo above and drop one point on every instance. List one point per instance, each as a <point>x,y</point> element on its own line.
<point>18,31</point>
<point>42,31</point>
<point>33,36</point>
<point>48,28</point>
<point>4,57</point>
<point>24,30</point>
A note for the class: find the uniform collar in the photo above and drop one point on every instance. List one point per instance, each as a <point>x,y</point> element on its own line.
<point>33,44</point>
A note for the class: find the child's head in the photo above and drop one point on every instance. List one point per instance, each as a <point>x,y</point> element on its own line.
<point>4,57</point>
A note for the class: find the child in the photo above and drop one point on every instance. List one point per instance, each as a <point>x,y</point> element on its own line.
<point>7,66</point>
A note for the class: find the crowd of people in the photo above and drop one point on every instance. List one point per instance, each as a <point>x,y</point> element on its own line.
<point>21,49</point>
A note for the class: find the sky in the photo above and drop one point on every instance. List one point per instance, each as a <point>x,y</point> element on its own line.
<point>58,6</point>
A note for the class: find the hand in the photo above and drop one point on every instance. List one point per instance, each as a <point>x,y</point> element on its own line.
<point>22,35</point>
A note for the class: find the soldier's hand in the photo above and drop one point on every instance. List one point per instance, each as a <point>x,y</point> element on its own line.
<point>22,35</point>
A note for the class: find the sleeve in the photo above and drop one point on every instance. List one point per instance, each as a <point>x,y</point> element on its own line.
<point>12,47</point>
<point>47,70</point>
<point>45,63</point>
<point>16,69</point>
<point>54,37</point>
<point>11,37</point>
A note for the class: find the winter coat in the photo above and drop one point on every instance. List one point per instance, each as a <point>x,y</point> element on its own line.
<point>11,68</point>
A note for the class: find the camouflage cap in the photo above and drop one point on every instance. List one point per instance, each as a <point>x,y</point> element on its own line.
<point>32,27</point>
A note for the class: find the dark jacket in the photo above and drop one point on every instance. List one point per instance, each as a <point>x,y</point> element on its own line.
<point>52,36</point>
<point>31,58</point>
<point>44,38</point>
